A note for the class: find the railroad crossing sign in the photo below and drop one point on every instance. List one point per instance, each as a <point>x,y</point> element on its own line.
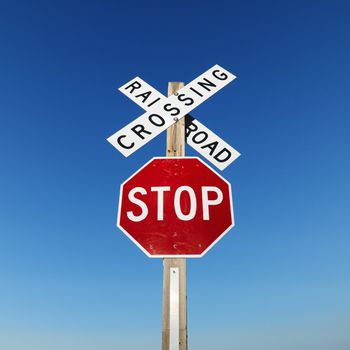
<point>162,112</point>
<point>175,207</point>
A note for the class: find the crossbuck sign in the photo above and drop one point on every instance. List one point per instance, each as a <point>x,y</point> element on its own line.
<point>162,112</point>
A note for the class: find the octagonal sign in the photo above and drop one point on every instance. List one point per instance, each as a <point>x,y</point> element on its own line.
<point>175,207</point>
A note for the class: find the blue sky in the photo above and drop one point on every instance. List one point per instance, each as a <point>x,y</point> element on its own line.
<point>68,278</point>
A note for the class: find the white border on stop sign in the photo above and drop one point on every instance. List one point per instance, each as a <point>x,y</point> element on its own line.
<point>177,255</point>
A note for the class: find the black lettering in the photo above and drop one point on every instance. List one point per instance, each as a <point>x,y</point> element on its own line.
<point>221,160</point>
<point>153,116</point>
<point>135,85</point>
<point>144,96</point>
<point>206,84</point>
<point>222,76</point>
<point>153,102</point>
<point>122,144</point>
<point>189,99</point>
<point>139,129</point>
<point>195,137</point>
<point>198,93</point>
<point>189,126</point>
<point>212,146</point>
<point>168,108</point>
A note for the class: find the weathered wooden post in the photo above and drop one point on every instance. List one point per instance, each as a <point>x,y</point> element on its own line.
<point>174,326</point>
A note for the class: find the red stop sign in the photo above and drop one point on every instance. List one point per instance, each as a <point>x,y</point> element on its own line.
<point>175,207</point>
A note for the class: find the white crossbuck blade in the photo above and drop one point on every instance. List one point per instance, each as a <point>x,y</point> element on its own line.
<point>163,111</point>
<point>203,140</point>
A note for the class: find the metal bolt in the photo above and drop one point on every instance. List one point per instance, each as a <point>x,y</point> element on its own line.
<point>176,119</point>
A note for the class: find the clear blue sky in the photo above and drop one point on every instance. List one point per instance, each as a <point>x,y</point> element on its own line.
<point>68,278</point>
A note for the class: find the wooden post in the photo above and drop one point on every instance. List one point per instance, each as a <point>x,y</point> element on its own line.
<point>175,147</point>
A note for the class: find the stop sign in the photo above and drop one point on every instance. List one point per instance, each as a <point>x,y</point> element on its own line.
<point>175,207</point>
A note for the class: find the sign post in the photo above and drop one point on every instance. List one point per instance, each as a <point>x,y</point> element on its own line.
<point>174,315</point>
<point>175,207</point>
